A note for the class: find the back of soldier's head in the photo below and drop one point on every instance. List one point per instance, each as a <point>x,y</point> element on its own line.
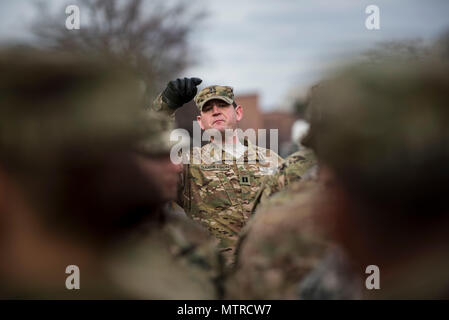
<point>383,130</point>
<point>68,127</point>
<point>381,134</point>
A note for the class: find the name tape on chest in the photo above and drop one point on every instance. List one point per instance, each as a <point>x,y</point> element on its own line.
<point>210,167</point>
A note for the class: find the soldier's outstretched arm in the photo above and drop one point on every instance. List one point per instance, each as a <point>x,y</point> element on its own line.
<point>175,95</point>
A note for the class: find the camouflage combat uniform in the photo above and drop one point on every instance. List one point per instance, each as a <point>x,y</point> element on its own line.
<point>220,193</point>
<point>169,257</point>
<point>280,245</point>
<point>292,169</point>
<point>63,119</point>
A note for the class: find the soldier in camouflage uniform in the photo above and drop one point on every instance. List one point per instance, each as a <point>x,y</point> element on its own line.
<point>80,164</point>
<point>281,244</point>
<point>285,243</point>
<point>218,185</point>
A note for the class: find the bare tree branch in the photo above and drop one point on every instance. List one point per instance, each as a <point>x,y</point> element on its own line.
<point>151,35</point>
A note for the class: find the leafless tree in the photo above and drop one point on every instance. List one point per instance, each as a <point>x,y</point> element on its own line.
<point>153,35</point>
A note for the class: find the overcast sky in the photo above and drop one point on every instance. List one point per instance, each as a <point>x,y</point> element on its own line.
<point>278,47</point>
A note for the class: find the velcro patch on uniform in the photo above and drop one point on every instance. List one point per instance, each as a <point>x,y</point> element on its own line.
<point>221,167</point>
<point>245,180</point>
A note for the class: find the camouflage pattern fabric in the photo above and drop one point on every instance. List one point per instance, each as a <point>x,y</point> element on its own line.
<point>214,92</point>
<point>70,127</point>
<point>159,105</point>
<point>63,119</point>
<point>219,194</point>
<point>291,170</point>
<point>280,245</point>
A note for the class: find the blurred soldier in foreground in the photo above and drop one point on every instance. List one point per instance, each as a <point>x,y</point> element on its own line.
<point>287,243</point>
<point>294,167</point>
<point>284,240</point>
<point>382,140</point>
<point>82,167</point>
<point>222,178</point>
<point>169,256</point>
<point>381,137</point>
<point>279,246</point>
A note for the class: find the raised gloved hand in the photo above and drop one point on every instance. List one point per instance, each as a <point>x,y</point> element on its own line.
<point>180,91</point>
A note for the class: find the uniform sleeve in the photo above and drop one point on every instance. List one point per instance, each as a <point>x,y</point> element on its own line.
<point>159,105</point>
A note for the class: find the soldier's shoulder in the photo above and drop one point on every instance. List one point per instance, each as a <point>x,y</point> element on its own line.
<point>279,240</point>
<point>178,253</point>
<point>203,154</point>
<point>296,165</point>
<point>301,156</point>
<point>296,193</point>
<point>266,151</point>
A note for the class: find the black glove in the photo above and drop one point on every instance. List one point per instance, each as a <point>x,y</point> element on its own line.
<point>180,91</point>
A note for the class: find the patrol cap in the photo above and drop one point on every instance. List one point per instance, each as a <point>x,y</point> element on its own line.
<point>224,93</point>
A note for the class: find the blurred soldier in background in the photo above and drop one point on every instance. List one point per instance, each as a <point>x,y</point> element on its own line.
<point>285,251</point>
<point>380,132</point>
<point>220,181</point>
<point>82,168</point>
<point>169,256</point>
<point>295,166</point>
<point>381,135</point>
<point>298,164</point>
